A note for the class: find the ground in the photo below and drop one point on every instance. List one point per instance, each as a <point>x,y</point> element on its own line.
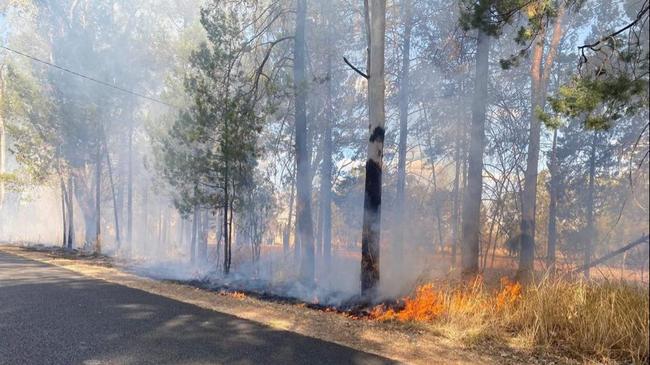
<point>119,317</point>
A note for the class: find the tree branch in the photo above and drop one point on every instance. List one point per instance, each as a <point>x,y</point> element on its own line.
<point>355,69</point>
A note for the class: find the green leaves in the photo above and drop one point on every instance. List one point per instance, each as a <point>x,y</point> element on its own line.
<point>600,101</point>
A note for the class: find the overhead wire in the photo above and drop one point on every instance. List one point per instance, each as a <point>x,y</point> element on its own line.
<point>89,78</point>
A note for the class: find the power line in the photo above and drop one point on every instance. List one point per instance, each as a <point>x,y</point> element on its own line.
<point>103,83</point>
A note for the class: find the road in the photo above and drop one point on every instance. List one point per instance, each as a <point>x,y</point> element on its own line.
<point>50,315</point>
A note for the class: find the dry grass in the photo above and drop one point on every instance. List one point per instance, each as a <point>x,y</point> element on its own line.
<point>594,321</point>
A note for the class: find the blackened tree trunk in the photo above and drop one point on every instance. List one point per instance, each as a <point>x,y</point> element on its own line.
<point>370,238</point>
<point>552,207</point>
<point>303,180</point>
<point>400,196</point>
<point>471,226</point>
<point>591,231</point>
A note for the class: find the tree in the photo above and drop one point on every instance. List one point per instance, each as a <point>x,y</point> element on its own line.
<point>376,29</point>
<point>407,21</point>
<point>472,200</point>
<point>303,180</point>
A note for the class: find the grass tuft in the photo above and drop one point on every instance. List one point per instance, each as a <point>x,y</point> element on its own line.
<point>603,321</point>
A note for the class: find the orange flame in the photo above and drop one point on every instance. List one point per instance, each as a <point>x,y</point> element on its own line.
<point>428,304</point>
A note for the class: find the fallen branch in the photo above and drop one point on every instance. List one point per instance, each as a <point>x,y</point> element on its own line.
<point>608,256</point>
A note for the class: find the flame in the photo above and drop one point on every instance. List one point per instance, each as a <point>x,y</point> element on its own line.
<point>428,304</point>
<point>238,295</point>
<point>510,293</point>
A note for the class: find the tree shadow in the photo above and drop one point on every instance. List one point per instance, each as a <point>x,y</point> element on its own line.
<point>49,315</point>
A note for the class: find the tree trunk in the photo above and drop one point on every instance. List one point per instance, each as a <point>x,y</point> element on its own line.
<point>456,199</point>
<point>591,232</point>
<point>98,198</point>
<point>115,207</point>
<point>529,196</point>
<point>471,225</point>
<point>64,236</point>
<point>326,171</point>
<point>3,144</point>
<point>226,232</point>
<point>400,196</point>
<point>376,18</point>
<point>539,83</point>
<point>129,193</point>
<point>70,212</point>
<point>203,243</point>
<point>552,207</point>
<point>3,158</point>
<point>195,226</point>
<point>287,229</point>
<point>303,180</point>
<point>144,231</point>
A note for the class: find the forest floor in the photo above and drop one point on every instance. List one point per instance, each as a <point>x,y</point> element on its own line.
<point>409,343</point>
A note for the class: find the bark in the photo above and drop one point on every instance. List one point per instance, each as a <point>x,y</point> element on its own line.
<point>591,232</point>
<point>400,196</point>
<point>303,180</point>
<point>552,207</point>
<point>471,225</point>
<point>376,15</point>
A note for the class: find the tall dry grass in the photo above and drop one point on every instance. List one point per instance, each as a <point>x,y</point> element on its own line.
<point>601,321</point>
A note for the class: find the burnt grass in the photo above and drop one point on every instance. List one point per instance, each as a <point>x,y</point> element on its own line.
<point>356,307</point>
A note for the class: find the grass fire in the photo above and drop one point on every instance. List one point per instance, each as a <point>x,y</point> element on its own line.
<point>324,181</point>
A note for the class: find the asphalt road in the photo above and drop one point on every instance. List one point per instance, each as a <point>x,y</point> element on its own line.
<point>50,315</point>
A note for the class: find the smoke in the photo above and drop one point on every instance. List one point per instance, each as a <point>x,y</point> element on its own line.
<point>55,123</point>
